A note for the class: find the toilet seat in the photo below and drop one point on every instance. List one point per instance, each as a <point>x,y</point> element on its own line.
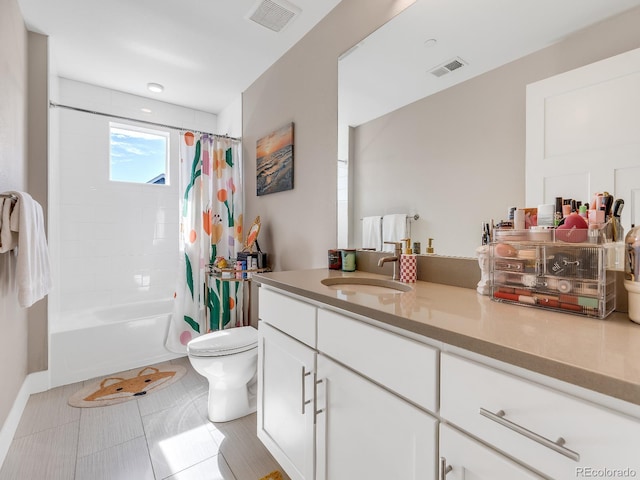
<point>224,342</point>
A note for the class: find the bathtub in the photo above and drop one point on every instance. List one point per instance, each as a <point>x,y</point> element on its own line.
<point>101,341</point>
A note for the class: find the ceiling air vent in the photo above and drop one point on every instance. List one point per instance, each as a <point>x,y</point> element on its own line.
<point>448,67</point>
<point>273,15</point>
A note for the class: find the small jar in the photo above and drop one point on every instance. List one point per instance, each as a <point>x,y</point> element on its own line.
<point>348,260</point>
<point>335,260</point>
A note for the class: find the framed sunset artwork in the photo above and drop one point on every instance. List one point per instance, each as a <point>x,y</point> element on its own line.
<point>274,161</point>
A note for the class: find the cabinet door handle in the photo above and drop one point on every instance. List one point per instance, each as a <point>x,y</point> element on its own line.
<point>557,446</point>
<point>304,393</point>
<point>316,412</point>
<point>444,468</point>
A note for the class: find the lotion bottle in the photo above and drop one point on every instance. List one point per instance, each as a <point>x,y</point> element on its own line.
<point>408,264</point>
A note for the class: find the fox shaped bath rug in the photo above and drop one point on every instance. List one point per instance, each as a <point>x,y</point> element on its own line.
<point>125,386</point>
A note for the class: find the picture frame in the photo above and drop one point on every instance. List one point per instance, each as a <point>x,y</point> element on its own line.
<point>274,161</point>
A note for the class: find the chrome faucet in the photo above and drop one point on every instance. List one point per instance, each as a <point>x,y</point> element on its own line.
<point>395,259</point>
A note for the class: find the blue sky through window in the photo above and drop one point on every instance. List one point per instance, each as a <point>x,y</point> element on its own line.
<point>138,155</point>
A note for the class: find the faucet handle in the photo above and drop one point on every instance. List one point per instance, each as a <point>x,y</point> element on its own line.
<point>398,248</point>
<point>397,244</point>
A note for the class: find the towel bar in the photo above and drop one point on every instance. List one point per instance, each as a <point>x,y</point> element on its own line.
<point>415,217</point>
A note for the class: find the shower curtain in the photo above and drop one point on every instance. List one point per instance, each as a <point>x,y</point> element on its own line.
<point>210,227</point>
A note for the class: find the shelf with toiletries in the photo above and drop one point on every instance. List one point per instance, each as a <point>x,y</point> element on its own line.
<point>553,274</point>
<point>238,272</point>
<point>235,274</point>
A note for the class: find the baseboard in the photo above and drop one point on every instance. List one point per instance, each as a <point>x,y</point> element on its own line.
<point>34,383</point>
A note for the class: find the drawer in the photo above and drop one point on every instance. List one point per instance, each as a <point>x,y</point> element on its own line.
<point>291,316</point>
<point>402,365</point>
<point>470,459</point>
<point>524,420</point>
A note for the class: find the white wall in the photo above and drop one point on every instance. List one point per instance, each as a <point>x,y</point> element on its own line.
<point>117,242</point>
<point>230,119</point>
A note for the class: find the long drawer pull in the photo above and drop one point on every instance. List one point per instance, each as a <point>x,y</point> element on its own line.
<point>304,394</point>
<point>557,446</point>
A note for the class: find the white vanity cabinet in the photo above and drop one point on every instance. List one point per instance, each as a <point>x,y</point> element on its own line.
<point>364,431</point>
<point>355,404</point>
<point>286,372</point>
<point>341,397</point>
<point>556,434</point>
<point>364,428</point>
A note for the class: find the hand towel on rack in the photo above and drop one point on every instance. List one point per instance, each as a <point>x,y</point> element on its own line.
<point>372,232</point>
<point>8,237</point>
<point>33,275</point>
<point>394,229</point>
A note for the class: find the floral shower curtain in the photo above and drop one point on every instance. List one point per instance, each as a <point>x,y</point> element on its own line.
<point>210,227</point>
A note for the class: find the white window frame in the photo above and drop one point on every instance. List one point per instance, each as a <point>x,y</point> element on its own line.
<point>144,130</point>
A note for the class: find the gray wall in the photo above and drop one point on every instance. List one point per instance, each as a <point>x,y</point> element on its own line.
<point>299,225</point>
<point>23,167</point>
<point>37,178</point>
<point>460,154</point>
<point>13,176</point>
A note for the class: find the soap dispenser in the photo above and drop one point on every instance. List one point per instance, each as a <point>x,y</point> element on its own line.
<point>408,264</point>
<point>430,247</point>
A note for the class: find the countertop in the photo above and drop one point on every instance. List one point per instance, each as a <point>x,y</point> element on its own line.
<point>600,355</point>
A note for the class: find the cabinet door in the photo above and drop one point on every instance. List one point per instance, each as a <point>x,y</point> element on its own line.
<point>465,458</point>
<point>286,372</point>
<point>582,134</point>
<point>364,431</point>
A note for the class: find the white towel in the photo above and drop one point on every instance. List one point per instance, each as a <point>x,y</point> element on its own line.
<point>8,237</point>
<point>372,232</point>
<point>394,229</point>
<point>33,275</point>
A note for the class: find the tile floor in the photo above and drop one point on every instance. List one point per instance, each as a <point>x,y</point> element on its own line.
<point>163,436</point>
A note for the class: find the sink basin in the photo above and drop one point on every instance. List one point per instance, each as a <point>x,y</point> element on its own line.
<point>374,286</point>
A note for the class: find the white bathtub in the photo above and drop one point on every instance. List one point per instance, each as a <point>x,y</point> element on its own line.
<point>101,341</point>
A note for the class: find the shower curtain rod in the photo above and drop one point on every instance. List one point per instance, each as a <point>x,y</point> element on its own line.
<point>146,122</point>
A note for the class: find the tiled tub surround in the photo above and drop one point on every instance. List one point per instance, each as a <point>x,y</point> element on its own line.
<point>118,241</point>
<point>114,245</point>
<point>513,392</point>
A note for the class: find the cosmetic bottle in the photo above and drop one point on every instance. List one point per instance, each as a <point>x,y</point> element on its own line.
<point>546,215</point>
<point>558,213</point>
<point>582,211</point>
<point>518,219</point>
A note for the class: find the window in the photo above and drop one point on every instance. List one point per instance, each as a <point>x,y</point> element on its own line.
<point>138,155</point>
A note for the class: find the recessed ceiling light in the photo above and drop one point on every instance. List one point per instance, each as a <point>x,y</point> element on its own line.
<point>145,110</point>
<point>155,87</point>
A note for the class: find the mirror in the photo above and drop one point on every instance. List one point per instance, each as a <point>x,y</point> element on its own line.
<point>432,112</point>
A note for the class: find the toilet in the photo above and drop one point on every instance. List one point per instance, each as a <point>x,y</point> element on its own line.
<point>228,359</point>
